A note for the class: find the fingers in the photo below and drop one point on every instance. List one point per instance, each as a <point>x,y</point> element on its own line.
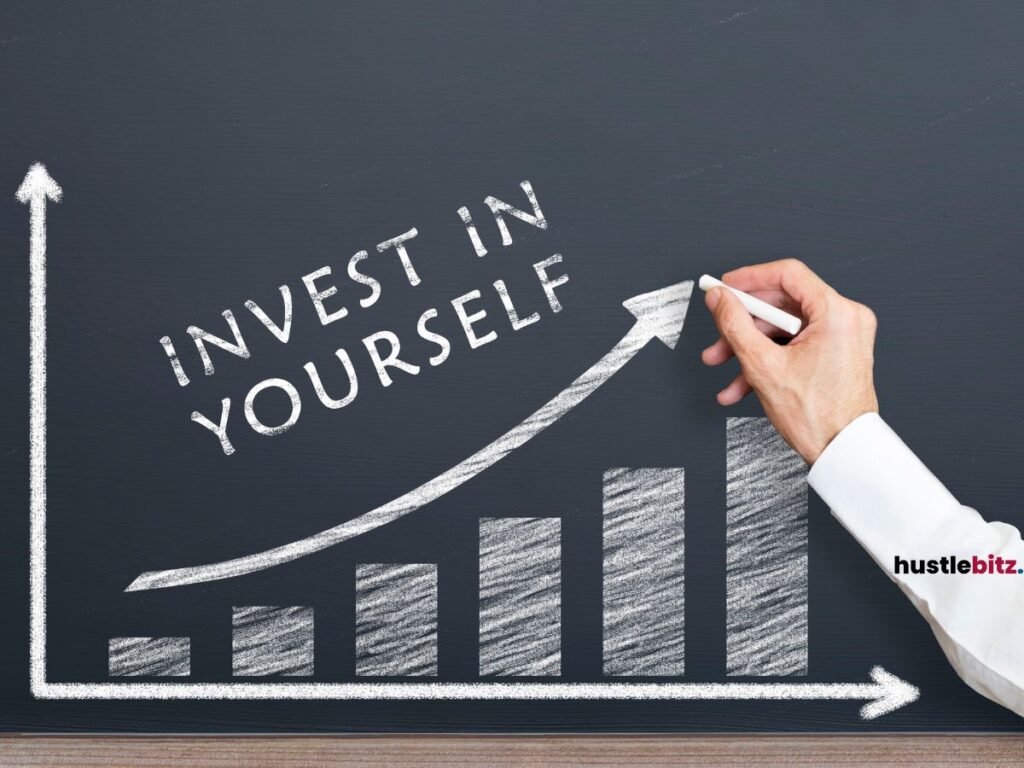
<point>737,328</point>
<point>737,389</point>
<point>777,298</point>
<point>718,353</point>
<point>792,277</point>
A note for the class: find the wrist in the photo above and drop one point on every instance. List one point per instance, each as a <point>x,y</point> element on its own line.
<point>835,424</point>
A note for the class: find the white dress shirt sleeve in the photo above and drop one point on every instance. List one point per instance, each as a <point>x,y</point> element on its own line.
<point>883,495</point>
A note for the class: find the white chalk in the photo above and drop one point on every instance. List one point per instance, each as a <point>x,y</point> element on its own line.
<point>761,309</point>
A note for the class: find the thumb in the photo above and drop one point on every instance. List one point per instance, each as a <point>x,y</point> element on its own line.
<point>737,326</point>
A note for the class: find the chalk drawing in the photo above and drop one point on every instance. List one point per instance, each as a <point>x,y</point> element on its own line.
<point>398,243</point>
<point>239,348</point>
<point>498,207</point>
<point>396,619</point>
<point>643,572</point>
<point>155,656</point>
<point>267,640</point>
<point>659,315</point>
<point>766,552</point>
<point>35,190</point>
<point>886,693</point>
<point>520,596</point>
<point>281,332</point>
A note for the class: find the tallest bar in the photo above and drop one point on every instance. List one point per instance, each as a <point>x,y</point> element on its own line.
<point>766,552</point>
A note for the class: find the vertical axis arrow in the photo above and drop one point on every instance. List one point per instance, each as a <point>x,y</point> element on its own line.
<point>34,190</point>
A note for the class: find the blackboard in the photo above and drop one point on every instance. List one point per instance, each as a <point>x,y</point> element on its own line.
<point>207,154</point>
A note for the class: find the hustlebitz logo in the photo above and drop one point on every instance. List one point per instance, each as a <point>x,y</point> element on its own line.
<point>975,565</point>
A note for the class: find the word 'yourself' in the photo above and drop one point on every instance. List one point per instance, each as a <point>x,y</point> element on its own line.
<point>383,348</point>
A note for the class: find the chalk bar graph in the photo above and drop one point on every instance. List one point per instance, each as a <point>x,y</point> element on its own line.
<point>395,623</point>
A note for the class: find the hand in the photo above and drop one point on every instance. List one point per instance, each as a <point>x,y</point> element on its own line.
<point>819,382</point>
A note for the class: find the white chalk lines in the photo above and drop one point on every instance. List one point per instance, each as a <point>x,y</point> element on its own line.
<point>885,693</point>
<point>398,602</point>
<point>659,314</point>
<point>35,190</point>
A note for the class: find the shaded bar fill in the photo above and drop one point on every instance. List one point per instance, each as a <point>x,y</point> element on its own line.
<point>268,640</point>
<point>766,552</point>
<point>643,572</point>
<point>396,619</point>
<point>153,656</point>
<point>520,596</point>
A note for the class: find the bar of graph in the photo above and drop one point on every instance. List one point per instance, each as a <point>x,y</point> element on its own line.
<point>149,656</point>
<point>272,640</point>
<point>520,596</point>
<point>643,574</point>
<point>766,552</point>
<point>396,619</point>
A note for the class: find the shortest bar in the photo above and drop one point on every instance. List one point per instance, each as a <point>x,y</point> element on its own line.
<point>149,656</point>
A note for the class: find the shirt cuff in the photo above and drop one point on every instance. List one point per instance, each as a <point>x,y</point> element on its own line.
<point>880,491</point>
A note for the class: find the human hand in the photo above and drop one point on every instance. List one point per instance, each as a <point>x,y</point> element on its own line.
<point>819,382</point>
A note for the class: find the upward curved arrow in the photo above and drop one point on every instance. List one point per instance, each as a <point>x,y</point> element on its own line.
<point>659,314</point>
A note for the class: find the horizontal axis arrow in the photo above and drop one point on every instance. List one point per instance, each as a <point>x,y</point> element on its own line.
<point>885,694</point>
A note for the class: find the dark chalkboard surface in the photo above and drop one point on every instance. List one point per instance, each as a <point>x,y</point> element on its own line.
<point>600,565</point>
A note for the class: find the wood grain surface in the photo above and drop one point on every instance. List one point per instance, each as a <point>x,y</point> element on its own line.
<point>520,751</point>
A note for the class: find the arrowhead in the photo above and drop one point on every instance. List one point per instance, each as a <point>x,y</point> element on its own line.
<point>661,313</point>
<point>893,694</point>
<point>37,184</point>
